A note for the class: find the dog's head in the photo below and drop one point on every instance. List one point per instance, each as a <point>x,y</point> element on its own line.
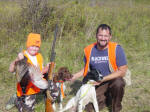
<point>93,75</point>
<point>63,74</point>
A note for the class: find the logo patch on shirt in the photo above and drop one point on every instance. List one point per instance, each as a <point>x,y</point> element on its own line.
<point>99,59</point>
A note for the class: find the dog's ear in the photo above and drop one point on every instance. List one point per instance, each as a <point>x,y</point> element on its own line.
<point>55,77</point>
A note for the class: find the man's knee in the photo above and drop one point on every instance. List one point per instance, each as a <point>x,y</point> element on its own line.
<point>117,83</point>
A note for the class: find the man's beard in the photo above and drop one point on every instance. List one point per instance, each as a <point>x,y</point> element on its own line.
<point>102,46</point>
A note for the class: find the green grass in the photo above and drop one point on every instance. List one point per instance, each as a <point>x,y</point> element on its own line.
<point>78,20</point>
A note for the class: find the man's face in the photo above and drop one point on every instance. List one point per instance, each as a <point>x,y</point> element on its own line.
<point>33,50</point>
<point>103,37</point>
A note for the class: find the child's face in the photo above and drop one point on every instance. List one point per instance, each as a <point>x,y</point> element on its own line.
<point>33,50</point>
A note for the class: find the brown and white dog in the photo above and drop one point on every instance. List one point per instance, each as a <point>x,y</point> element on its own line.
<point>60,78</point>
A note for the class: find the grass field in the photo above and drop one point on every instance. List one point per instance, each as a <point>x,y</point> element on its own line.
<point>78,20</point>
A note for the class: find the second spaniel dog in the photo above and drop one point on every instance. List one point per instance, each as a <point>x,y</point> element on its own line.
<point>60,78</point>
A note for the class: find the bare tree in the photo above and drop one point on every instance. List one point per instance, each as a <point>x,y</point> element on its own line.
<point>36,13</point>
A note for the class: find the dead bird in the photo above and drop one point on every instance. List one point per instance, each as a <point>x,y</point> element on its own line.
<point>26,72</point>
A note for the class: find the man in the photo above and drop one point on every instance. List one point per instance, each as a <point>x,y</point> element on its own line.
<point>34,58</point>
<point>103,56</point>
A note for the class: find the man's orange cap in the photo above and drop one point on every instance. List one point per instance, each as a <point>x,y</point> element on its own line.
<point>33,39</point>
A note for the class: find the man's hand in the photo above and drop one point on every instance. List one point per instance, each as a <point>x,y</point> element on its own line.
<point>77,75</point>
<point>96,83</point>
<point>73,78</point>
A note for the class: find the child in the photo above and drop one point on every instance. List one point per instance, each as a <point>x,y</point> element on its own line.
<point>27,99</point>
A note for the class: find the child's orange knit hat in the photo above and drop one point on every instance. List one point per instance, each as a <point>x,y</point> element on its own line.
<point>33,39</point>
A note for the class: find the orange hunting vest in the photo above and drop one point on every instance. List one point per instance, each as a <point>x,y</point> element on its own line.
<point>31,88</point>
<point>111,55</point>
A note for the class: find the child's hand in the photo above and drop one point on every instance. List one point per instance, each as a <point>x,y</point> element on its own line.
<point>46,68</point>
<point>12,65</point>
<point>20,56</point>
